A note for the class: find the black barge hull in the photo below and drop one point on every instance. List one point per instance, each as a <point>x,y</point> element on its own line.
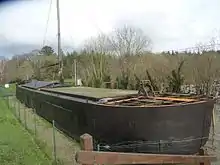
<point>179,129</point>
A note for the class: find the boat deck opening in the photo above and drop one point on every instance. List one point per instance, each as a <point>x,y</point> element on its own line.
<point>147,101</point>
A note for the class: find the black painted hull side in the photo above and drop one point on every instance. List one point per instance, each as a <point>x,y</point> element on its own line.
<point>168,129</point>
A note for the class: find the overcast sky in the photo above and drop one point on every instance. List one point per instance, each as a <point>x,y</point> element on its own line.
<point>171,24</point>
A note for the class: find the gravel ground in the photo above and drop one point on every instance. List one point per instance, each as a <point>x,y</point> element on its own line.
<point>214,148</point>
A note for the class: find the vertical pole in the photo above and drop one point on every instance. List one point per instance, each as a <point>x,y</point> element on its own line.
<point>75,72</point>
<point>213,125</point>
<point>35,124</point>
<point>14,106</point>
<point>98,147</point>
<point>19,111</point>
<point>59,43</point>
<point>54,144</point>
<point>9,106</point>
<point>25,121</point>
<point>8,101</point>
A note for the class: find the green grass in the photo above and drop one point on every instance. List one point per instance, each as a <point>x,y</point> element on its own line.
<point>17,147</point>
<point>12,88</point>
<point>70,80</point>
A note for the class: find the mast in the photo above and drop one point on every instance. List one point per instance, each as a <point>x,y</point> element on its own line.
<point>60,54</point>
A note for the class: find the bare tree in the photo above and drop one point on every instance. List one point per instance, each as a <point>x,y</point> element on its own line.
<point>213,42</point>
<point>99,44</point>
<point>129,41</point>
<point>125,41</point>
<point>205,70</point>
<point>200,47</point>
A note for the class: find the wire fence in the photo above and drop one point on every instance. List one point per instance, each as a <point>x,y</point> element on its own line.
<point>56,146</point>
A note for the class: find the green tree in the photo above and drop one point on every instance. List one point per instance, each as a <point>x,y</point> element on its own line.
<point>176,79</point>
<point>47,50</point>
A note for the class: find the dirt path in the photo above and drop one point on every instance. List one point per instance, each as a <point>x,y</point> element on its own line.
<point>213,145</point>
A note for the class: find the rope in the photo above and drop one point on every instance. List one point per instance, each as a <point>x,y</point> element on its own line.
<point>48,17</point>
<point>140,143</point>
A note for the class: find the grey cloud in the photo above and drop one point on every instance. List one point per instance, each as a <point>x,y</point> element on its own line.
<point>16,48</point>
<point>176,25</point>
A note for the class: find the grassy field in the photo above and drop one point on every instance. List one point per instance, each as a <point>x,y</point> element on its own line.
<point>12,88</point>
<point>17,147</point>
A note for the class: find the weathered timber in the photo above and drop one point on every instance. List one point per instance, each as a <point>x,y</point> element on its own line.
<point>94,157</point>
<point>173,99</point>
<point>89,157</point>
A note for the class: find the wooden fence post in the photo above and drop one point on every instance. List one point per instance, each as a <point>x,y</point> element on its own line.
<point>202,153</point>
<point>86,142</point>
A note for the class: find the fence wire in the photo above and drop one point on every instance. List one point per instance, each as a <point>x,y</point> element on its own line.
<point>47,136</point>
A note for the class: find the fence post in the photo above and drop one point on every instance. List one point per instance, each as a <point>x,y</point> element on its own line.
<point>19,110</point>
<point>8,101</point>
<point>54,144</point>
<point>86,143</point>
<point>14,107</point>
<point>202,152</point>
<point>35,123</point>
<point>25,121</point>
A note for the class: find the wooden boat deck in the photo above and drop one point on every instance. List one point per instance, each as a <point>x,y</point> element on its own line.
<point>94,92</point>
<point>124,97</point>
